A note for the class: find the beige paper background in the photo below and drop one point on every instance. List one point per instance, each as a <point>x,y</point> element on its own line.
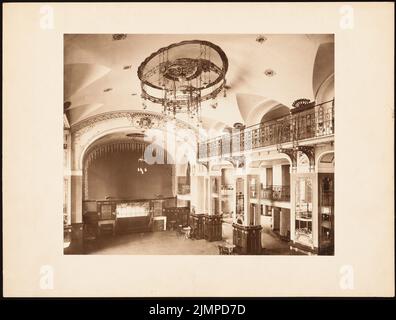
<point>33,171</point>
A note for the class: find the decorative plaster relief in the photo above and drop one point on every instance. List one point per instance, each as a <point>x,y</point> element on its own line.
<point>87,131</point>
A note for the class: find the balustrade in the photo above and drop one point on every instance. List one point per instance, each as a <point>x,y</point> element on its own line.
<point>315,122</point>
<point>276,193</point>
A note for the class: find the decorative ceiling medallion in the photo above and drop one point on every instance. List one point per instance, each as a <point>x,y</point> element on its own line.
<point>261,39</point>
<point>119,36</point>
<point>182,75</point>
<point>185,68</point>
<point>269,72</point>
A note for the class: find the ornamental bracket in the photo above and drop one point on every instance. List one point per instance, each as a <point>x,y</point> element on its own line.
<point>205,164</point>
<point>309,151</point>
<point>292,153</point>
<point>236,161</point>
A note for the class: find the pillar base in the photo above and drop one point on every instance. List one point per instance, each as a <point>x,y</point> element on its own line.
<point>197,226</point>
<point>213,227</point>
<point>247,239</point>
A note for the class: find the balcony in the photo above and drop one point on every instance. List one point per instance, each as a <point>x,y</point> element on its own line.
<point>276,193</point>
<point>313,123</point>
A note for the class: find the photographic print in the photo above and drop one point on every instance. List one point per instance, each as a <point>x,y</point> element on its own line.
<point>199,144</point>
<point>198,150</point>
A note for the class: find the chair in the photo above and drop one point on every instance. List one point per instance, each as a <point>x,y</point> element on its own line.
<point>226,249</point>
<point>222,249</point>
<point>187,232</point>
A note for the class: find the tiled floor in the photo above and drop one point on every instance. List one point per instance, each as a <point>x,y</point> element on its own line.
<point>170,243</point>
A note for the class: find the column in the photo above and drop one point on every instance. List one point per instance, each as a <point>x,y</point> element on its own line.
<point>198,194</point>
<point>247,237</point>
<point>246,200</point>
<point>76,245</point>
<point>284,223</point>
<point>276,218</point>
<point>212,221</point>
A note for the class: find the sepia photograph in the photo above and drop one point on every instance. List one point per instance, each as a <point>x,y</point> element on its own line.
<point>199,144</point>
<point>198,151</point>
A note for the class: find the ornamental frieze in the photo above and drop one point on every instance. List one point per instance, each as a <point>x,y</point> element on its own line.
<point>137,119</point>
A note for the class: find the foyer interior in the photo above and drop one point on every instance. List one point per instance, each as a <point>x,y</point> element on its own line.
<point>254,175</point>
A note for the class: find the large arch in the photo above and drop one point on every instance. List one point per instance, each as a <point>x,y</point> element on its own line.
<point>323,65</point>
<point>86,132</point>
<point>260,110</point>
<point>127,151</point>
<point>325,90</point>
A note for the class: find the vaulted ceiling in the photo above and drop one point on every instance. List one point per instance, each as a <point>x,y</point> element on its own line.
<point>100,73</point>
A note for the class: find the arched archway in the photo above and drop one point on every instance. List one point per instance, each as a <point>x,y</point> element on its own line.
<point>325,162</point>
<point>265,107</point>
<point>117,166</point>
<point>87,132</point>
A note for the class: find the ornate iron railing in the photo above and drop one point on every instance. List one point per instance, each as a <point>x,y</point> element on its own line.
<point>276,193</point>
<point>315,122</point>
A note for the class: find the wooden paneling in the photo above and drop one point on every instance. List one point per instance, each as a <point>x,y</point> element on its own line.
<point>197,226</point>
<point>213,227</point>
<point>247,239</point>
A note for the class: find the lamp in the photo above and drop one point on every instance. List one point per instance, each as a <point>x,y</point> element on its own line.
<point>183,75</point>
<point>142,165</point>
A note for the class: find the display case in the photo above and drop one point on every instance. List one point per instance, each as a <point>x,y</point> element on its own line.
<point>326,213</point>
<point>247,239</point>
<point>303,209</point>
<point>197,226</point>
<point>176,216</point>
<point>212,227</point>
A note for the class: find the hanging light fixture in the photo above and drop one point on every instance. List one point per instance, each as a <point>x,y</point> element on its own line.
<point>142,165</point>
<point>182,76</point>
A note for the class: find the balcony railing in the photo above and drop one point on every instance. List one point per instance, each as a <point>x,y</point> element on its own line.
<point>183,189</point>
<point>315,122</point>
<point>276,193</point>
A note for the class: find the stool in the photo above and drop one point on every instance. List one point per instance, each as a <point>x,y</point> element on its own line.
<point>186,231</point>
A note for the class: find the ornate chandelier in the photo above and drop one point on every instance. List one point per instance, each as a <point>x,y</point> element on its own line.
<point>183,75</point>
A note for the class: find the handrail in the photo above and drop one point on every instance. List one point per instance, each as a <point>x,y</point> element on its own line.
<point>314,122</point>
